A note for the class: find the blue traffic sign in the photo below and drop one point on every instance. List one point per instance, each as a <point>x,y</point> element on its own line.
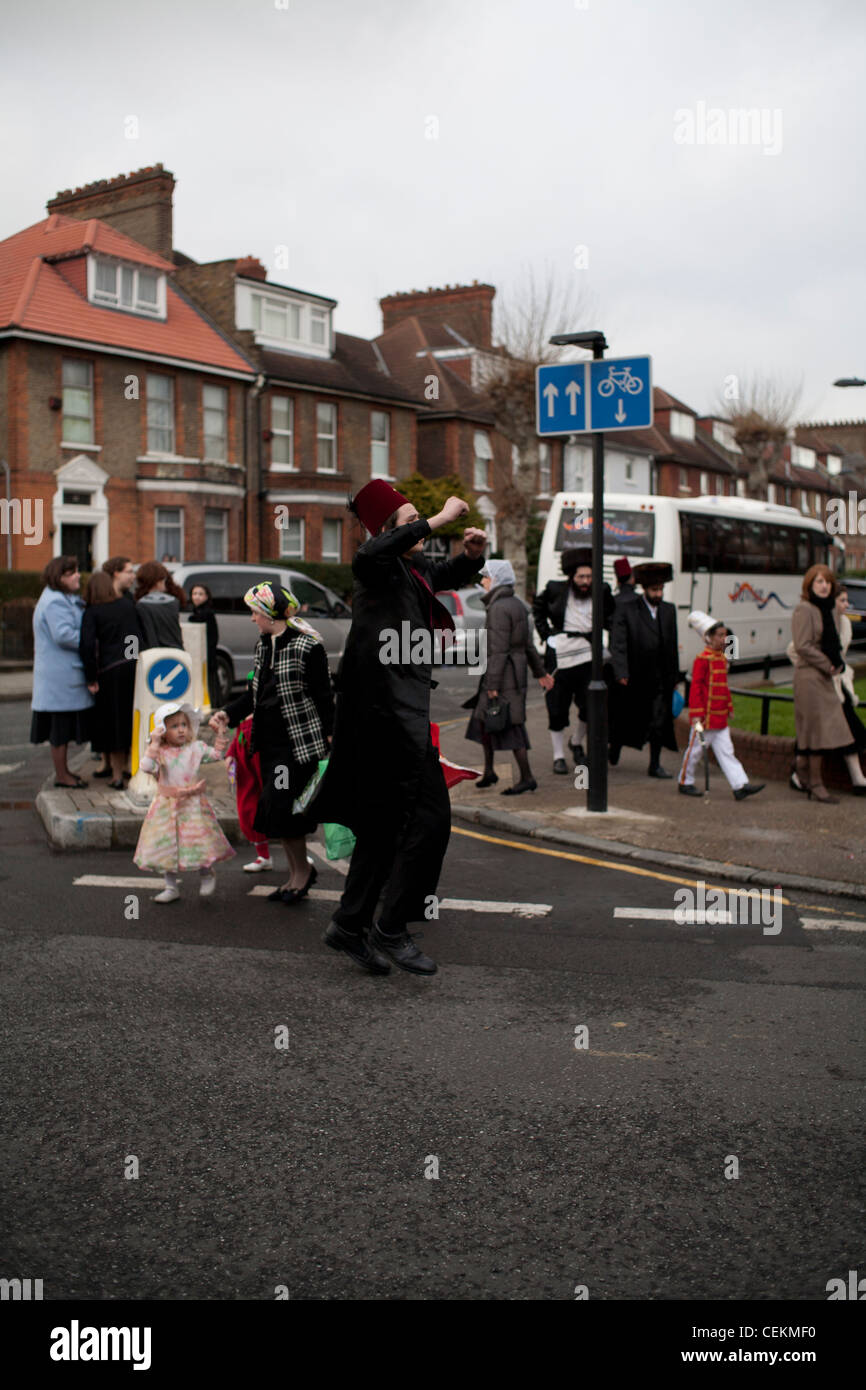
<point>168,679</point>
<point>613,393</point>
<point>621,395</point>
<point>561,398</point>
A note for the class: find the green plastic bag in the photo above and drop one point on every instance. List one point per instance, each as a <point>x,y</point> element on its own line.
<point>339,841</point>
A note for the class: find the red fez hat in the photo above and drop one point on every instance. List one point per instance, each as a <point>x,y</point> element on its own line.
<point>621,568</point>
<point>375,503</point>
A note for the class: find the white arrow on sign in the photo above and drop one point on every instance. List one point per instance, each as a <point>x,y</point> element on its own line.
<point>572,390</point>
<point>620,413</point>
<point>551,392</point>
<point>162,684</point>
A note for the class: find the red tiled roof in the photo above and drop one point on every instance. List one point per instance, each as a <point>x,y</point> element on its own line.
<point>354,369</point>
<point>37,297</point>
<point>400,346</point>
<point>663,400</point>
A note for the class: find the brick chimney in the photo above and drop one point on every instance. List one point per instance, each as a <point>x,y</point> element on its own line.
<point>251,268</point>
<point>137,204</point>
<point>468,309</point>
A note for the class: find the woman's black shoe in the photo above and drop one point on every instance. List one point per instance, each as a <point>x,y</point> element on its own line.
<point>529,785</point>
<point>102,772</point>
<point>294,895</point>
<point>118,786</point>
<point>487,781</point>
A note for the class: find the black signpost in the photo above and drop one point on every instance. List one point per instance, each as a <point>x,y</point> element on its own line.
<point>596,792</point>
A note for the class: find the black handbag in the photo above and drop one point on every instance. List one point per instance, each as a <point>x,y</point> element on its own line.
<point>497,716</point>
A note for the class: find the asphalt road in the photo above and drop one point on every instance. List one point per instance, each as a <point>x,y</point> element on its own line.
<point>604,1165</point>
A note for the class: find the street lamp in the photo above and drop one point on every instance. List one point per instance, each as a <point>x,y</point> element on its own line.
<point>596,695</point>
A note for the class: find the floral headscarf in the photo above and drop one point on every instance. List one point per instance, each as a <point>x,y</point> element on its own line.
<point>262,598</point>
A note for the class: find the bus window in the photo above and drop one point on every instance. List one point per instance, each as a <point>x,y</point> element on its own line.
<point>727,546</point>
<point>700,548</point>
<point>756,547</point>
<point>625,532</point>
<point>784,553</point>
<point>802,551</point>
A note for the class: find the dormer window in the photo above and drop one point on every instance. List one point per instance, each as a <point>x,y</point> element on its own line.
<point>282,320</point>
<point>136,289</point>
<point>682,425</point>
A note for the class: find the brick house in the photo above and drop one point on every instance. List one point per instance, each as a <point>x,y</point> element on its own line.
<point>840,451</point>
<point>122,406</point>
<point>326,415</point>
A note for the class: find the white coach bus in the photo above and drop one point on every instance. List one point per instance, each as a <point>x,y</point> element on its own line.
<point>740,560</point>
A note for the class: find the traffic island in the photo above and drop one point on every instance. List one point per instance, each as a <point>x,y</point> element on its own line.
<point>95,817</point>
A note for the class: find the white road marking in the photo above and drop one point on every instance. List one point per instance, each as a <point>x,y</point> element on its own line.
<point>116,881</point>
<point>682,916</point>
<point>341,865</point>
<point>10,767</point>
<point>331,895</point>
<point>829,923</point>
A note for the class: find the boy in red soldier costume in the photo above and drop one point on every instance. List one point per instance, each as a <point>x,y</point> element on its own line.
<point>710,707</point>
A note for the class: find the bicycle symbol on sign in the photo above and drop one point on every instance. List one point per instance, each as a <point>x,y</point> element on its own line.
<point>623,378</point>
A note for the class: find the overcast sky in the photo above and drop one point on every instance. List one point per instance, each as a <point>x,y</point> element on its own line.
<point>558,125</point>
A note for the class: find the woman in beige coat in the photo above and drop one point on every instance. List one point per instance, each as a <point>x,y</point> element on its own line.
<point>820,723</point>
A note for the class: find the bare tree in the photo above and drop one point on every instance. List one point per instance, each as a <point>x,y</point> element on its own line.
<point>527,315</point>
<point>761,411</point>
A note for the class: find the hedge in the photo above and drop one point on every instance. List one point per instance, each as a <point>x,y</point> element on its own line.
<point>20,584</point>
<point>333,576</point>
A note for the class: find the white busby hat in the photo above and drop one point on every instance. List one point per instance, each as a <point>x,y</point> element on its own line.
<point>703,622</point>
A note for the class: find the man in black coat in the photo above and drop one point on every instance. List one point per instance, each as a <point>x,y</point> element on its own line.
<point>564,611</point>
<point>645,654</point>
<point>383,779</point>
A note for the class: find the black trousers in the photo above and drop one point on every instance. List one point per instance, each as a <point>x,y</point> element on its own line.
<point>408,857</point>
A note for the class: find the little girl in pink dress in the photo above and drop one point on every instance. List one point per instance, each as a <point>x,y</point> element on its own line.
<point>180,831</point>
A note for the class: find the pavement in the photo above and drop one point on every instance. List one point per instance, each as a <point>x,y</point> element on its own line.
<point>778,838</point>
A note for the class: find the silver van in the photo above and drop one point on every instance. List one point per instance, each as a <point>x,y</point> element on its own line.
<point>327,613</point>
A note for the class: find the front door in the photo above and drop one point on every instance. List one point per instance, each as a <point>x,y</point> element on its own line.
<point>77,540</point>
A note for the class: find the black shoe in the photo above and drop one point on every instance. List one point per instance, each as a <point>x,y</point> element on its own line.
<point>289,896</point>
<point>688,789</point>
<point>660,773</point>
<point>486,781</point>
<point>102,772</point>
<point>748,790</point>
<point>403,952</point>
<point>118,786</point>
<point>561,766</point>
<point>357,947</point>
<point>613,753</point>
<point>528,785</point>
<point>578,755</point>
<point>795,784</point>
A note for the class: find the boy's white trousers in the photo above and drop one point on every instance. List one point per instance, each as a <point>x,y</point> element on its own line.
<point>720,742</point>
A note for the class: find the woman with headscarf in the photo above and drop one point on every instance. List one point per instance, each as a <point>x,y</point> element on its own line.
<point>510,651</point>
<point>158,601</point>
<point>819,719</point>
<point>293,713</point>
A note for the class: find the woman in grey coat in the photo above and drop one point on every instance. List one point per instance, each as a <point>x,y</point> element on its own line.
<point>510,655</point>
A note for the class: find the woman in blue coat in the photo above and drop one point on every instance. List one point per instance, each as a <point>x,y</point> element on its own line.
<point>61,701</point>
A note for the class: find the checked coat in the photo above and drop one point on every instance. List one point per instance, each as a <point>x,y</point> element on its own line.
<point>303,687</point>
